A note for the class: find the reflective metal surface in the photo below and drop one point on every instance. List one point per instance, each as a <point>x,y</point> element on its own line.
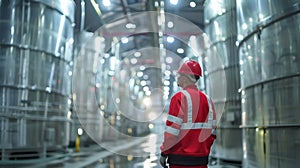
<point>265,12</point>
<point>269,61</point>
<point>85,114</point>
<point>220,17</point>
<point>36,46</point>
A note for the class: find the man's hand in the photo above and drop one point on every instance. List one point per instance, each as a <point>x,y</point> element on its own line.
<point>163,162</point>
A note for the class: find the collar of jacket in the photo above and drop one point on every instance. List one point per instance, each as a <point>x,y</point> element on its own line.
<point>192,86</point>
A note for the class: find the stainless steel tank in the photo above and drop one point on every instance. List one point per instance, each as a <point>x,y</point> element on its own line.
<point>268,34</point>
<point>36,46</point>
<point>220,26</point>
<point>86,113</point>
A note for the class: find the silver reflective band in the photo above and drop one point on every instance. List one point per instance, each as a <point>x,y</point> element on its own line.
<point>174,119</point>
<point>190,107</point>
<point>172,130</point>
<point>198,125</point>
<point>210,113</point>
<point>167,164</point>
<point>210,124</point>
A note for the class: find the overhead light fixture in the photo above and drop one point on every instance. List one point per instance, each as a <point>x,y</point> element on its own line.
<point>133,60</point>
<point>151,126</point>
<point>140,74</point>
<point>143,83</point>
<point>170,24</point>
<point>148,93</point>
<point>170,39</point>
<point>180,50</point>
<point>106,3</point>
<point>106,55</point>
<point>174,2</point>
<point>137,54</point>
<point>146,88</point>
<point>124,40</point>
<point>167,83</point>
<point>142,68</point>
<point>169,60</point>
<point>167,73</point>
<point>192,4</point>
<point>130,26</point>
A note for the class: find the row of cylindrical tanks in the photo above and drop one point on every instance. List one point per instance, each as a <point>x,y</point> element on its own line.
<point>257,43</point>
<point>52,90</point>
<point>38,44</point>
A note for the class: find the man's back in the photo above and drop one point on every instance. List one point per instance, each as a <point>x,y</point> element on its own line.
<point>194,142</point>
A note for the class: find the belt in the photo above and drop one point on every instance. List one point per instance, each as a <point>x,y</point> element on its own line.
<point>187,160</point>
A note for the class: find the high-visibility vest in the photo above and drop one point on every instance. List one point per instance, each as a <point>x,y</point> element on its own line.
<point>188,137</point>
<point>189,125</point>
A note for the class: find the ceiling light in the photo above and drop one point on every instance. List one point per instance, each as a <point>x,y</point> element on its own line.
<point>170,24</point>
<point>142,68</point>
<point>167,83</point>
<point>167,73</point>
<point>180,50</point>
<point>143,83</point>
<point>133,60</point>
<point>261,16</point>
<point>102,61</point>
<point>192,4</point>
<point>124,40</point>
<point>151,115</point>
<point>130,26</point>
<point>106,3</point>
<point>146,88</point>
<point>148,93</point>
<point>169,60</point>
<point>174,2</point>
<point>170,39</point>
<point>137,54</point>
<point>106,55</point>
<point>140,74</point>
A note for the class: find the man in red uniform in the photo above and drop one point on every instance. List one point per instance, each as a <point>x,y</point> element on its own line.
<point>191,123</point>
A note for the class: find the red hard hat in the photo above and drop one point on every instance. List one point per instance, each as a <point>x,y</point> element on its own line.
<point>190,67</point>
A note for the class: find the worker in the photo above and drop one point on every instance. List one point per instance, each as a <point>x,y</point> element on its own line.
<point>191,123</point>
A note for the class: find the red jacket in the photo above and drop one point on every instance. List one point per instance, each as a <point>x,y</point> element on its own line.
<point>189,133</point>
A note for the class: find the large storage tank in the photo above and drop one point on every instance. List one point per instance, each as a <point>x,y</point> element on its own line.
<point>86,114</point>
<point>220,26</point>
<point>269,40</point>
<point>36,46</point>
